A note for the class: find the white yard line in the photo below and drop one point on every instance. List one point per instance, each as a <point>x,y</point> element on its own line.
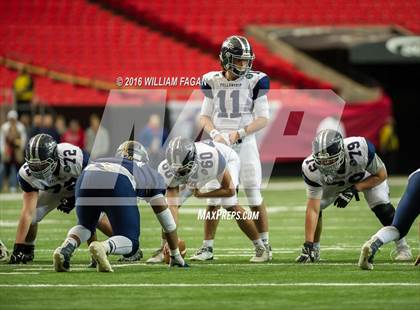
<point>165,285</point>
<point>83,267</point>
<point>17,273</point>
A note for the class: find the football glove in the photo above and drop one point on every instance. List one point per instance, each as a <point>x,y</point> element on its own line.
<point>308,253</point>
<point>22,253</point>
<point>346,196</point>
<point>67,204</point>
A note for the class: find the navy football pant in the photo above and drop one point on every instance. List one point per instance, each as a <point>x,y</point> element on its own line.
<point>409,206</point>
<point>119,204</point>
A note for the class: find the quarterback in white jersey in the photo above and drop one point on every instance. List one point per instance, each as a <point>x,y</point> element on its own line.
<point>235,107</point>
<point>47,180</point>
<point>211,171</point>
<point>337,171</point>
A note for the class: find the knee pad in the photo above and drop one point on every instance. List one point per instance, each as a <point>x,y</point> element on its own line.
<point>384,213</point>
<point>81,232</point>
<point>254,197</point>
<point>166,220</point>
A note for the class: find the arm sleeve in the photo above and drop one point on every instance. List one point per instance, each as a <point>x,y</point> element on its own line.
<point>24,185</point>
<point>375,165</point>
<point>313,189</point>
<point>261,107</point>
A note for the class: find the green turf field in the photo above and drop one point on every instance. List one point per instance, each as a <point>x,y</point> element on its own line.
<point>229,281</point>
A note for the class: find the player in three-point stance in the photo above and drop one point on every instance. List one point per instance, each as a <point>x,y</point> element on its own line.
<point>112,185</point>
<point>337,171</point>
<point>47,179</point>
<point>210,170</point>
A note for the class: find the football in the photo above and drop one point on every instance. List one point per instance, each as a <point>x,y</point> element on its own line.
<point>167,254</point>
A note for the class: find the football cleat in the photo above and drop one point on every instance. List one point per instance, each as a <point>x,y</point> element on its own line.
<point>261,255</point>
<point>317,254</point>
<point>368,252</point>
<point>133,258</point>
<point>270,252</point>
<point>4,252</point>
<point>62,256</point>
<point>203,254</point>
<point>92,263</point>
<point>176,263</point>
<point>403,254</point>
<point>98,252</point>
<point>157,257</point>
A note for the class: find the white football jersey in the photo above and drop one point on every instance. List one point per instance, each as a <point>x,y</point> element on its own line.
<point>233,104</point>
<point>212,159</point>
<point>360,162</point>
<point>72,160</point>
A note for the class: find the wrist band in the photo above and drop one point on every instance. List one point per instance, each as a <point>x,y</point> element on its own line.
<point>214,133</point>
<point>242,133</point>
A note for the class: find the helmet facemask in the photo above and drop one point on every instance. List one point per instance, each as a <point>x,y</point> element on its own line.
<point>237,69</point>
<point>184,171</point>
<point>328,152</point>
<point>42,169</point>
<point>329,164</point>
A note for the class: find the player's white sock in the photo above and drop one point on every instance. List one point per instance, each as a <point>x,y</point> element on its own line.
<point>264,237</point>
<point>119,245</point>
<point>208,243</point>
<point>401,243</point>
<point>80,232</point>
<point>258,243</point>
<point>387,234</point>
<point>70,240</point>
<point>177,256</point>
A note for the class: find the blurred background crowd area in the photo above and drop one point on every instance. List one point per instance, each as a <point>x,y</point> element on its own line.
<point>59,60</point>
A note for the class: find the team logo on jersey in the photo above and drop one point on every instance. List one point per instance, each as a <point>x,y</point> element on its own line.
<point>67,169</point>
<point>249,76</point>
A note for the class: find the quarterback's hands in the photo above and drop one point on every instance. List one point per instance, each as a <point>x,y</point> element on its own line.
<point>22,253</point>
<point>219,138</point>
<point>308,253</point>
<point>234,137</point>
<point>346,196</point>
<point>67,204</point>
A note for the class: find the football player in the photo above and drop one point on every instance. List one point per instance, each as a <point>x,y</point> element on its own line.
<point>337,171</point>
<point>112,185</point>
<point>47,180</point>
<point>235,107</point>
<point>210,170</point>
<point>407,211</point>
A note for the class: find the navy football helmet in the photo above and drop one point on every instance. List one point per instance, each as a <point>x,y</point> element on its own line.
<point>41,156</point>
<point>328,151</point>
<point>236,48</point>
<point>181,155</point>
